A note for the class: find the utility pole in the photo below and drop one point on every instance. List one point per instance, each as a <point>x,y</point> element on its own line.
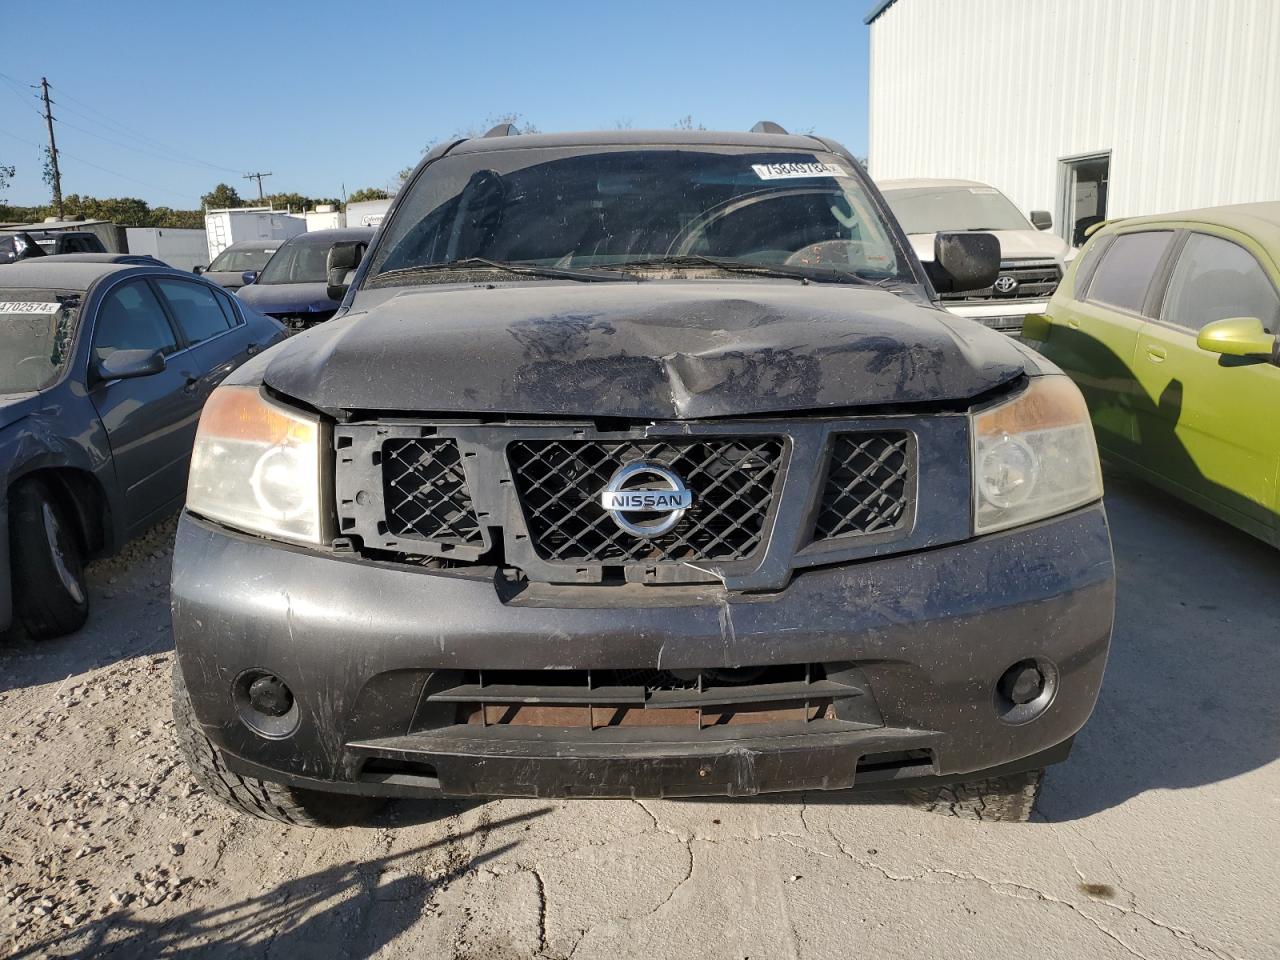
<point>53,149</point>
<point>258,177</point>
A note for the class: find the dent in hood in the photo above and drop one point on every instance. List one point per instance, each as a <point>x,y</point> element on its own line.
<point>655,350</point>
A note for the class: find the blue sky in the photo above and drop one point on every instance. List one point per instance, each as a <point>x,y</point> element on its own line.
<point>323,94</point>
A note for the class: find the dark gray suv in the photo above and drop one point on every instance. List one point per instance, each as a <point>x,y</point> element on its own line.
<point>640,464</point>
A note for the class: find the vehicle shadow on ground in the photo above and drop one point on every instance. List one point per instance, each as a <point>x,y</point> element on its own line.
<point>1192,689</point>
<point>345,910</point>
<point>128,617</point>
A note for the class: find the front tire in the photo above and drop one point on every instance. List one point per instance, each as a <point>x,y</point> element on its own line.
<point>50,595</point>
<point>1009,799</point>
<point>296,806</point>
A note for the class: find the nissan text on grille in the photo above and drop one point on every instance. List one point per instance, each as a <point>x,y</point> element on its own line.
<point>640,464</point>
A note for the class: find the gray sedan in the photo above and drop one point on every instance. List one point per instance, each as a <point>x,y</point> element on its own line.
<point>249,256</point>
<point>103,371</point>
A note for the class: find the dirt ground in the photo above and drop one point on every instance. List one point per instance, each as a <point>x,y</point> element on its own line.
<point>1159,838</point>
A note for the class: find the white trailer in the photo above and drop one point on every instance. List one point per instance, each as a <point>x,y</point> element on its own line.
<point>225,227</point>
<point>325,217</point>
<point>182,249</point>
<point>367,213</point>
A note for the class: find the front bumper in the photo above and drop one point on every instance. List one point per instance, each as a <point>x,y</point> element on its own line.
<point>1003,315</point>
<point>357,641</point>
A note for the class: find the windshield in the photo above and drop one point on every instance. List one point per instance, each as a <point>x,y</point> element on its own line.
<point>585,207</point>
<point>37,328</point>
<point>297,263</point>
<point>238,261</point>
<point>938,209</point>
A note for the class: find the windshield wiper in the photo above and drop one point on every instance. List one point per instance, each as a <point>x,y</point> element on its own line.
<point>524,269</point>
<point>730,265</point>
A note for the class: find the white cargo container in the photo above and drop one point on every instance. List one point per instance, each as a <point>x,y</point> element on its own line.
<point>367,213</point>
<point>182,249</point>
<point>325,217</point>
<point>225,227</point>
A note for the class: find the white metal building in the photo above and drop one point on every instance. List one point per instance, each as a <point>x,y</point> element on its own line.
<point>1087,108</point>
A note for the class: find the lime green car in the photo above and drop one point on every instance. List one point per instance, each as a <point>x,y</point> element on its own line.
<point>1168,325</point>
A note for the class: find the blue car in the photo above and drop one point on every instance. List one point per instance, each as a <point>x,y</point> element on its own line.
<point>292,287</point>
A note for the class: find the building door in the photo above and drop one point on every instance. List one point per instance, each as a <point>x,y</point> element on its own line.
<point>1082,197</point>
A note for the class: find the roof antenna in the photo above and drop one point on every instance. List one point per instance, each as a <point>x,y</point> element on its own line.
<point>768,126</point>
<point>503,130</point>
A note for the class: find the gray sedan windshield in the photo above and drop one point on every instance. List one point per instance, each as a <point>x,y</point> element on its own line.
<point>37,328</point>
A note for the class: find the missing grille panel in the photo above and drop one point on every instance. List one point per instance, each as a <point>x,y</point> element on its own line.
<point>866,487</point>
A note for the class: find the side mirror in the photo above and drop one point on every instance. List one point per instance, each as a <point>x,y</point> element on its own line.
<point>127,364</point>
<point>1041,219</point>
<point>1237,337</point>
<point>343,258</point>
<point>964,261</point>
<point>197,270</point>
<point>248,277</point>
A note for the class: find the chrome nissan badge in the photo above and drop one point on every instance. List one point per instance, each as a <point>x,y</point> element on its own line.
<point>646,488</point>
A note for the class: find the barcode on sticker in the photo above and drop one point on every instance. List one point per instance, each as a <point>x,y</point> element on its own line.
<point>796,171</point>
<point>28,306</point>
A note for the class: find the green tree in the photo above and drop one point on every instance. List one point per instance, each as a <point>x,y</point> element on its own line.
<point>221,197</point>
<point>7,172</point>
<point>369,193</point>
<point>688,123</point>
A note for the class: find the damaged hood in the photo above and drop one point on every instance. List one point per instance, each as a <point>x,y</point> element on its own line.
<point>656,350</point>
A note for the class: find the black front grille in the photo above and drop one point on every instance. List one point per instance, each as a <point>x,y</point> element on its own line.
<point>1033,279</point>
<point>866,490</point>
<point>425,492</point>
<point>560,481</point>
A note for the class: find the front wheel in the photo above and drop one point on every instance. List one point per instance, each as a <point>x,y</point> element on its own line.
<point>1009,798</point>
<point>50,596</point>
<point>296,806</point>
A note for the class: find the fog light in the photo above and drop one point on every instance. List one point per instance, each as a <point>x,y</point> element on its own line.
<point>269,695</point>
<point>265,704</point>
<point>1022,682</point>
<point>1025,690</point>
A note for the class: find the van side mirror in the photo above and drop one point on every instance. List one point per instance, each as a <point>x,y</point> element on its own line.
<point>197,270</point>
<point>128,364</point>
<point>248,277</point>
<point>964,261</point>
<point>343,258</point>
<point>1237,337</point>
<point>1042,219</point>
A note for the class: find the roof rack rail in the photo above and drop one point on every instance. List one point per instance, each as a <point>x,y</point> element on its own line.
<point>768,126</point>
<point>502,130</point>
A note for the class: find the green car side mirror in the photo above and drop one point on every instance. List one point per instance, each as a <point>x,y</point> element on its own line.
<point>1236,337</point>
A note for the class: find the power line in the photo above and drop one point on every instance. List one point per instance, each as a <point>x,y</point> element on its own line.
<point>97,116</point>
<point>96,166</point>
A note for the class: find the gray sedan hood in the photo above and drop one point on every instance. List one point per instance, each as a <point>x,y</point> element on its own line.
<point>664,350</point>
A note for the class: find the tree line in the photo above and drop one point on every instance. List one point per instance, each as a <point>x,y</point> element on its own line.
<point>133,212</point>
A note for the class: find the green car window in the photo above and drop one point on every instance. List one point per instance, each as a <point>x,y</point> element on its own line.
<point>1124,274</point>
<point>1216,279</point>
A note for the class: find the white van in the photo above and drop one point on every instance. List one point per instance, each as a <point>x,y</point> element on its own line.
<point>1031,259</point>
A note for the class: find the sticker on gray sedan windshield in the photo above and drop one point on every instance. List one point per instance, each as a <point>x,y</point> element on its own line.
<point>796,171</point>
<point>28,306</point>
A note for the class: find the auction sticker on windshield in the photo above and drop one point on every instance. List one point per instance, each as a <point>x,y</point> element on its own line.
<point>28,306</point>
<point>796,171</point>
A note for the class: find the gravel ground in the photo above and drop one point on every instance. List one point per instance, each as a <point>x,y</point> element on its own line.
<point>1157,839</point>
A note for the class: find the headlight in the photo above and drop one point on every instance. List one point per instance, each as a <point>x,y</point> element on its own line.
<point>1033,456</point>
<point>256,466</point>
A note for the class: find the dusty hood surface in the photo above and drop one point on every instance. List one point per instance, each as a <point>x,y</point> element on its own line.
<point>1014,245</point>
<point>654,350</point>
